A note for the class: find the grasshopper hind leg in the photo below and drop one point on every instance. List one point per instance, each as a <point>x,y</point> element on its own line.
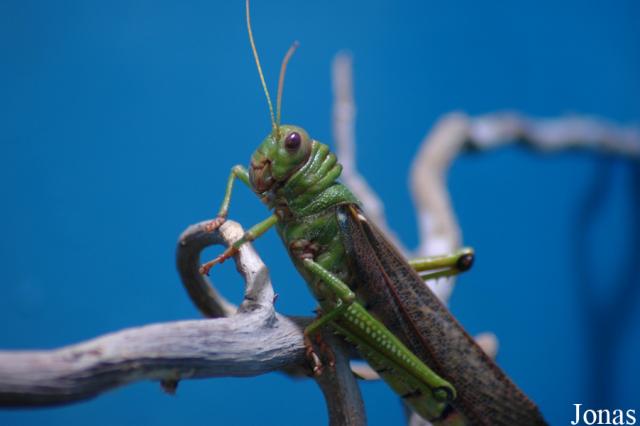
<point>414,381</point>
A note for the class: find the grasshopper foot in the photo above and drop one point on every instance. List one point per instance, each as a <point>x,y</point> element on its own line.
<point>326,350</point>
<point>465,262</point>
<point>312,356</point>
<point>215,224</point>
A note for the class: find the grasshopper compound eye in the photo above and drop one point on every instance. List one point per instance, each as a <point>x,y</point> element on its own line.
<point>292,141</point>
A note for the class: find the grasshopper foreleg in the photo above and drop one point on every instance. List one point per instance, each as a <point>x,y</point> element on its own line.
<point>237,172</point>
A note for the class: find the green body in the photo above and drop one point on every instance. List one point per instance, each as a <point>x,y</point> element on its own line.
<point>306,204</point>
<point>348,265</point>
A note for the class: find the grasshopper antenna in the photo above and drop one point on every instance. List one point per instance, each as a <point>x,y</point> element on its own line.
<point>255,56</point>
<point>283,71</point>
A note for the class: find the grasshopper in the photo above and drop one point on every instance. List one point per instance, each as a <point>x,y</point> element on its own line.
<point>367,291</point>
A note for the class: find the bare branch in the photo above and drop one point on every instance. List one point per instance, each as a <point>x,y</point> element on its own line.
<point>340,388</point>
<point>344,115</point>
<point>437,223</point>
<point>554,134</point>
<point>438,226</point>
<point>246,344</point>
<point>254,340</point>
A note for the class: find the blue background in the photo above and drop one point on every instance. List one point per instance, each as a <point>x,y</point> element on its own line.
<point>120,120</point>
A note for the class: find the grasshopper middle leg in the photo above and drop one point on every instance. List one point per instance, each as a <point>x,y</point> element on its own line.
<point>431,267</point>
<point>254,232</point>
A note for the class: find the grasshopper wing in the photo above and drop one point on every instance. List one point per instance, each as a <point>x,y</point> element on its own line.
<point>396,295</point>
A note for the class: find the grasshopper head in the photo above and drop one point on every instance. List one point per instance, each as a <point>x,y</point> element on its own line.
<point>279,155</point>
<point>287,147</point>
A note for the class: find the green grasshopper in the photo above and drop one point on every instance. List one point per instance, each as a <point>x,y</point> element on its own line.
<point>366,290</point>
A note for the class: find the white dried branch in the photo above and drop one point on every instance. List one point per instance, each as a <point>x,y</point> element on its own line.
<point>554,134</point>
<point>438,226</point>
<point>344,115</point>
<point>254,340</point>
<point>245,345</point>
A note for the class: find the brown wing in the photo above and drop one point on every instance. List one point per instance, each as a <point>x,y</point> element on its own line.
<point>394,293</point>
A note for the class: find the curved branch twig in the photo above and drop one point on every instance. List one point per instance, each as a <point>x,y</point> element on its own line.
<point>252,341</point>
